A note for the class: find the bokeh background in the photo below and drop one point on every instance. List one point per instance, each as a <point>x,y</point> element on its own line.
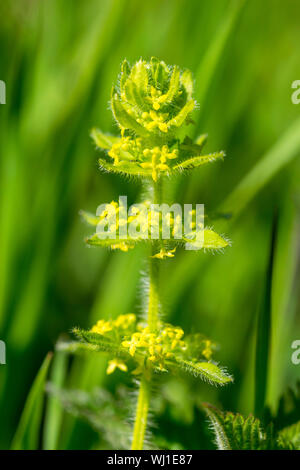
<point>59,59</point>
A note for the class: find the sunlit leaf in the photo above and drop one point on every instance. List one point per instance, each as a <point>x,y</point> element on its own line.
<point>103,141</point>
<point>206,371</point>
<point>194,162</point>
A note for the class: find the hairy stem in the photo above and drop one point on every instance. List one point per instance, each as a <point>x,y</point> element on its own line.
<point>141,415</point>
<point>142,408</point>
<point>153,302</point>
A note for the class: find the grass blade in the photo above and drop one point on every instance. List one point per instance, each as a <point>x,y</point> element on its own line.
<point>54,410</point>
<point>284,288</point>
<point>263,337</point>
<point>282,153</point>
<point>209,63</point>
<point>27,434</point>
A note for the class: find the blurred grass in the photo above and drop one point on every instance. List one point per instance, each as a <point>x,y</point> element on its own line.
<point>59,59</point>
<point>28,431</point>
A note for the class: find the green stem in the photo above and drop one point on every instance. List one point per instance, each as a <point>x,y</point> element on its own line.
<point>141,415</point>
<point>142,408</point>
<point>153,302</point>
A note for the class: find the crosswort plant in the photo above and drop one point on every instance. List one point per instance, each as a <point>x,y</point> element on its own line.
<point>151,104</point>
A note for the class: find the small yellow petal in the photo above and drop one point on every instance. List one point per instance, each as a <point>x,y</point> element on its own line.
<point>111,367</point>
<point>122,366</point>
<point>116,364</point>
<point>163,127</point>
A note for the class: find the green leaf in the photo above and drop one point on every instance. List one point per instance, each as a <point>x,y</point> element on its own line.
<point>90,218</point>
<point>201,140</point>
<point>179,119</point>
<point>211,241</point>
<point>54,411</point>
<point>28,430</point>
<point>187,81</point>
<point>125,72</point>
<point>173,87</point>
<point>188,148</point>
<point>123,118</point>
<point>75,347</point>
<point>263,332</point>
<point>124,168</point>
<point>284,279</point>
<point>194,162</point>
<point>136,86</point>
<point>207,371</point>
<point>160,73</point>
<point>109,242</point>
<point>288,411</point>
<point>103,343</point>
<point>103,141</point>
<point>289,437</point>
<point>234,432</point>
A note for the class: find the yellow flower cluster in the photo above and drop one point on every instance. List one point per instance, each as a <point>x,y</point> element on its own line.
<point>150,348</point>
<point>125,149</point>
<point>146,223</point>
<point>158,157</point>
<point>135,150</point>
<point>156,348</point>
<point>153,119</point>
<point>157,99</point>
<point>207,351</point>
<point>164,254</point>
<point>123,322</point>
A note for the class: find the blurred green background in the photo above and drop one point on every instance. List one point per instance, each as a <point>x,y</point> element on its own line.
<point>59,59</point>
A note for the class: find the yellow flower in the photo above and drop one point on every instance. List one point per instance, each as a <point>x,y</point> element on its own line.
<point>207,351</point>
<point>121,246</point>
<point>102,327</point>
<point>164,254</point>
<point>124,321</point>
<point>133,343</point>
<point>116,364</point>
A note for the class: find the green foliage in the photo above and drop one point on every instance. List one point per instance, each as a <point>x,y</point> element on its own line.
<point>27,434</point>
<point>289,438</point>
<point>107,413</point>
<point>207,371</point>
<point>263,339</point>
<point>288,410</point>
<point>234,432</point>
